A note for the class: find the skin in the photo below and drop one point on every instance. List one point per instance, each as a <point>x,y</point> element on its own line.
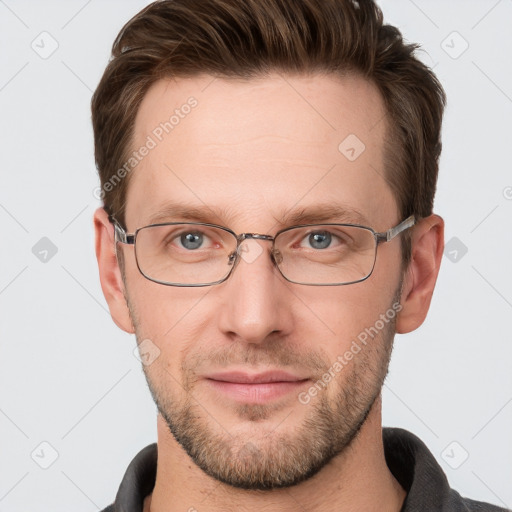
<point>256,149</point>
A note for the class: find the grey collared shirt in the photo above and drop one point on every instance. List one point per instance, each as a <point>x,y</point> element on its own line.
<point>407,457</point>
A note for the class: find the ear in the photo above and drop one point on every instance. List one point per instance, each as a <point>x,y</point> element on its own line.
<point>110,274</point>
<point>421,275</point>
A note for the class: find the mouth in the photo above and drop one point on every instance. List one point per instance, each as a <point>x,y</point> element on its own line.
<point>255,388</point>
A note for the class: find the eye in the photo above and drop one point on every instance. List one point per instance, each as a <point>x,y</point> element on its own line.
<point>188,239</point>
<point>321,239</point>
<point>191,240</point>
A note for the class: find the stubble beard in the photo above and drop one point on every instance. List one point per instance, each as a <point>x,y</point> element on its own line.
<point>275,458</point>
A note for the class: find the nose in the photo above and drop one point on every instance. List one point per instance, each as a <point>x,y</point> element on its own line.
<point>256,301</point>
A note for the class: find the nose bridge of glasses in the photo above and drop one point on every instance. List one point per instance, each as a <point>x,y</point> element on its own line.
<point>251,236</point>
<point>249,255</point>
<point>254,236</point>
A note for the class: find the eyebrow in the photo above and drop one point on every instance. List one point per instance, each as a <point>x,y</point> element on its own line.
<point>314,214</point>
<point>191,213</point>
<point>321,213</point>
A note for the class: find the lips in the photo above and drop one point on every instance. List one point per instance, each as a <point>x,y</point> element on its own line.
<point>255,388</point>
<point>256,378</point>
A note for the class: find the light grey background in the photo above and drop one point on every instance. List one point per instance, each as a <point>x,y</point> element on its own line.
<point>68,376</point>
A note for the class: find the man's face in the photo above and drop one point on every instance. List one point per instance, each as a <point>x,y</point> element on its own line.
<point>249,152</point>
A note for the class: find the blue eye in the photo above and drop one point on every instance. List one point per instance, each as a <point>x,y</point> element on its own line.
<point>320,239</point>
<point>191,240</point>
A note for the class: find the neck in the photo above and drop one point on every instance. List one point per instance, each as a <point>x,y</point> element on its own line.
<point>357,479</point>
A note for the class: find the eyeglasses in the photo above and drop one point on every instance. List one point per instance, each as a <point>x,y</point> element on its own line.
<point>201,254</point>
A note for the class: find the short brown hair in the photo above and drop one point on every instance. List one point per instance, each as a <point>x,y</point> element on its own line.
<point>234,38</point>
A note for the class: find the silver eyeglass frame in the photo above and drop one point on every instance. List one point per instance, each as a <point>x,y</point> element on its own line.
<point>121,236</point>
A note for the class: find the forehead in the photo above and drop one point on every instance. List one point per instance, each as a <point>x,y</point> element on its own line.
<point>260,146</point>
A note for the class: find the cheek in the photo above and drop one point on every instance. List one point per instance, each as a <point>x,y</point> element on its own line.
<point>342,314</point>
<point>167,315</point>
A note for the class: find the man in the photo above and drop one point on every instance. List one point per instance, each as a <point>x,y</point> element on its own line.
<point>268,169</point>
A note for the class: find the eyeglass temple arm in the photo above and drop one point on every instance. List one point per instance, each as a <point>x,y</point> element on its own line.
<point>392,232</point>
<point>119,233</point>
